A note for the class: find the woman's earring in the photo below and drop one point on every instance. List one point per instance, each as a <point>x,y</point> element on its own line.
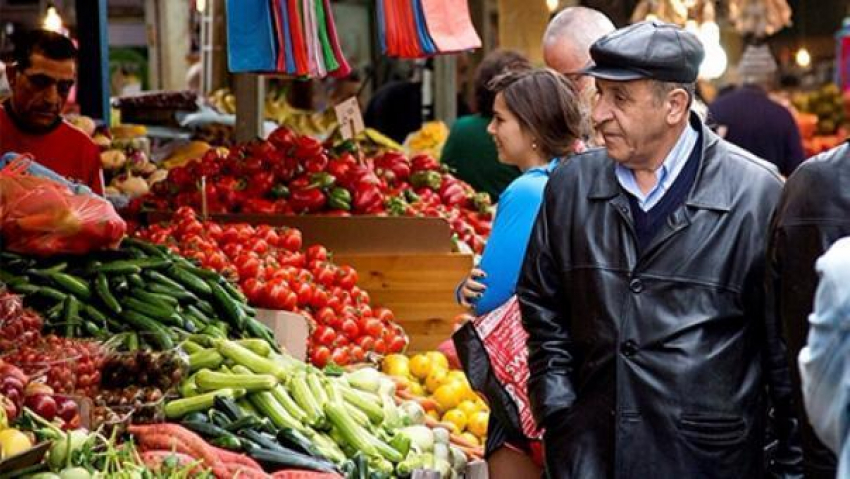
<point>533,145</point>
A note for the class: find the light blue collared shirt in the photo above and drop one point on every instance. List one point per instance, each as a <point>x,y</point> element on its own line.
<point>665,175</point>
<point>824,363</point>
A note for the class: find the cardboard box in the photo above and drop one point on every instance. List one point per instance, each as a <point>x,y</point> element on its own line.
<point>291,330</point>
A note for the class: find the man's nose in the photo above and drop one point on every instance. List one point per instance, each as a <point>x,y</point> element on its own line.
<point>600,112</point>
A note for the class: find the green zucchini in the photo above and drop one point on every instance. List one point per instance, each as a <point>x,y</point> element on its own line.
<point>120,267</point>
<point>142,322</point>
<point>189,280</point>
<point>71,284</point>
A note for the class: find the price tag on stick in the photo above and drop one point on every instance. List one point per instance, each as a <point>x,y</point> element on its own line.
<point>349,118</point>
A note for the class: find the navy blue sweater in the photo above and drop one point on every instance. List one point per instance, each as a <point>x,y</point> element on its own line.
<point>647,223</point>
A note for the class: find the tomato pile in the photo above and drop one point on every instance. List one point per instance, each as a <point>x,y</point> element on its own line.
<point>276,272</point>
<point>292,174</point>
<point>18,326</point>
<point>66,365</point>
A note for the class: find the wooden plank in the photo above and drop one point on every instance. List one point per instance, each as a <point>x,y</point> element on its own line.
<point>418,288</point>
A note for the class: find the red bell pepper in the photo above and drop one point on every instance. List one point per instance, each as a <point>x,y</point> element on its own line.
<point>366,197</point>
<point>260,183</point>
<point>316,163</point>
<point>452,192</point>
<point>307,147</point>
<point>259,205</point>
<point>393,166</point>
<point>307,199</point>
<point>424,163</point>
<point>252,165</point>
<point>282,138</point>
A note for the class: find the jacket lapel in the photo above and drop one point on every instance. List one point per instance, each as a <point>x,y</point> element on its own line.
<point>708,192</point>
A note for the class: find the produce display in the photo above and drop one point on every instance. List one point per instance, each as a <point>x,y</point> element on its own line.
<point>292,174</point>
<point>428,140</point>
<point>127,168</point>
<point>145,293</point>
<point>274,271</point>
<point>283,413</point>
<point>444,394</point>
<point>66,365</point>
<point>823,117</point>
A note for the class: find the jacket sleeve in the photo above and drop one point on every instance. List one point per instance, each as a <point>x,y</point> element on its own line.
<point>543,304</point>
<point>787,458</point>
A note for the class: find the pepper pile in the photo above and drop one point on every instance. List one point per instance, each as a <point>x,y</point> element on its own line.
<point>292,174</point>
<point>275,272</point>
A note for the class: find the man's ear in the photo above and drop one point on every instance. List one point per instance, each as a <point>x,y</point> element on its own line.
<point>678,101</point>
<point>11,74</point>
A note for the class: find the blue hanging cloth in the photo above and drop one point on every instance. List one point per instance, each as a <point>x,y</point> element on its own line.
<point>251,43</point>
<point>425,41</point>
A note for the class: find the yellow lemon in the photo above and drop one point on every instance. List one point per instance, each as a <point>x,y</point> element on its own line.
<point>397,365</point>
<point>434,414</point>
<point>420,366</point>
<point>435,379</point>
<point>477,423</point>
<point>13,442</point>
<point>448,396</point>
<point>471,438</point>
<point>468,407</point>
<point>456,417</point>
<point>416,388</point>
<point>458,376</point>
<point>438,359</point>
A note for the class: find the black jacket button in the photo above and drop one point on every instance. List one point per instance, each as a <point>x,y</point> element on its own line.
<point>629,348</point>
<point>636,285</point>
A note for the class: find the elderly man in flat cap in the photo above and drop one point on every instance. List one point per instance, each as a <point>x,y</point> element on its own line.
<point>642,287</point>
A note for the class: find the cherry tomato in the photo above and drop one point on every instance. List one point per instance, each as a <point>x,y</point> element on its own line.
<point>367,343</point>
<point>350,329</point>
<point>357,354</point>
<point>346,277</point>
<point>319,356</point>
<point>325,315</point>
<point>319,299</point>
<point>324,335</point>
<point>340,356</point>
<point>397,344</point>
<point>380,346</point>
<point>373,327</point>
<point>292,239</point>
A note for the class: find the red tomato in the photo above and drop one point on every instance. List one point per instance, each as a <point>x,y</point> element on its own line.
<point>335,304</point>
<point>304,292</point>
<point>296,259</point>
<point>324,335</point>
<point>342,340</point>
<point>247,267</point>
<point>384,314</point>
<point>292,239</point>
<point>325,275</point>
<point>252,288</point>
<point>340,356</point>
<point>350,329</point>
<point>366,342</point>
<point>346,277</point>
<point>380,346</point>
<point>319,356</point>
<point>317,252</point>
<point>365,310</point>
<point>230,235</point>
<point>397,344</point>
<point>373,327</point>
<point>232,250</point>
<point>357,354</point>
<point>280,297</point>
<point>260,247</point>
<point>325,316</point>
<point>320,298</point>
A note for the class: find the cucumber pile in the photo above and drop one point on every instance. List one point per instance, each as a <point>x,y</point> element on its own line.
<point>153,295</point>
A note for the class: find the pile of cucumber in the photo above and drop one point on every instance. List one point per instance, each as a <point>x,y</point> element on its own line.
<point>154,296</point>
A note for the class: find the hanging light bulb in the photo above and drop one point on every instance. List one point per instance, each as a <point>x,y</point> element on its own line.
<point>709,33</point>
<point>552,5</point>
<point>52,20</point>
<point>200,5</point>
<point>803,58</point>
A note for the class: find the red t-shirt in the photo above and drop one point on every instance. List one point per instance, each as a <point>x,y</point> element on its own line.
<point>66,150</point>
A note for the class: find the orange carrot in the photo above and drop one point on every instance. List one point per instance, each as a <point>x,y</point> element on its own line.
<point>234,459</point>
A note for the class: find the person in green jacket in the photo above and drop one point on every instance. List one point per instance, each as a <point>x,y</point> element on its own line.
<point>470,150</point>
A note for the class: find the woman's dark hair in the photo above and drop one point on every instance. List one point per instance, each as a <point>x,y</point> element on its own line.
<point>43,42</point>
<point>546,105</point>
<point>493,65</point>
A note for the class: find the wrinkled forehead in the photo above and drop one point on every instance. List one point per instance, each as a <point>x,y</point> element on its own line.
<point>58,69</point>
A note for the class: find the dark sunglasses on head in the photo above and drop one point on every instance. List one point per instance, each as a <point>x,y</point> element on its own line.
<point>43,82</point>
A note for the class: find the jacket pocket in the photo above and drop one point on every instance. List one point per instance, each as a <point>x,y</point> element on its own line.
<point>713,429</point>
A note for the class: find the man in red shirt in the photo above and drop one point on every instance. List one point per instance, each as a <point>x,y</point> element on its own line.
<point>43,72</point>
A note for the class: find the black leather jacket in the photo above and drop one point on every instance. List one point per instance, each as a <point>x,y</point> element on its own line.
<point>813,213</point>
<point>653,364</point>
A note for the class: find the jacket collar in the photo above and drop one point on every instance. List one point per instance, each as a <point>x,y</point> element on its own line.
<point>706,193</point>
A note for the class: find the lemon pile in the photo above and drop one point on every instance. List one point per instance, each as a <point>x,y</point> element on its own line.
<point>452,400</point>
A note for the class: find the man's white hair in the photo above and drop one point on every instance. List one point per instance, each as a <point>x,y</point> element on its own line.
<point>581,25</point>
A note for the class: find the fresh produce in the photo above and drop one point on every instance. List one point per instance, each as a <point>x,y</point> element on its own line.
<point>444,394</point>
<point>302,417</point>
<point>428,140</point>
<point>292,174</point>
<point>140,369</point>
<point>66,365</point>
<point>13,441</point>
<point>823,117</point>
<point>18,326</point>
<point>143,293</point>
<point>275,272</point>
